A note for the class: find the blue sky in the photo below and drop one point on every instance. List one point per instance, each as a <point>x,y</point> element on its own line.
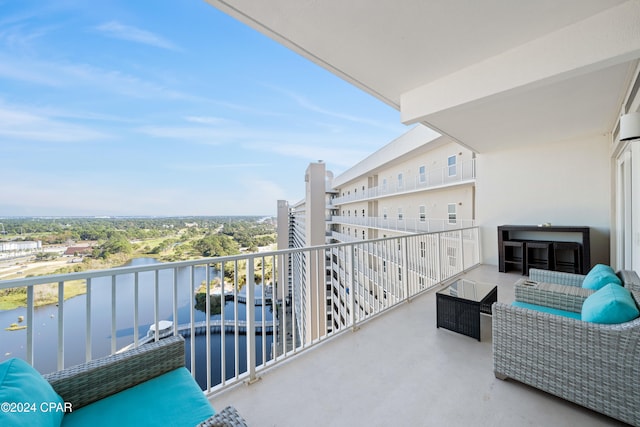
<point>126,107</point>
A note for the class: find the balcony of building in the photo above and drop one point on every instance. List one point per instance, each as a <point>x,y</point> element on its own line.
<point>386,363</point>
<point>404,224</point>
<point>459,174</point>
<point>400,370</point>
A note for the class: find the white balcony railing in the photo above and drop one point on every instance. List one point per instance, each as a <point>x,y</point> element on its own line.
<point>436,178</point>
<point>407,225</point>
<point>128,306</point>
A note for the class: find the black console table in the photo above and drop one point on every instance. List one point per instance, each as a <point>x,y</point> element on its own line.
<point>513,252</point>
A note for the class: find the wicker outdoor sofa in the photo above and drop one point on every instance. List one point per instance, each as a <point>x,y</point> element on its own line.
<point>591,364</point>
<point>148,385</point>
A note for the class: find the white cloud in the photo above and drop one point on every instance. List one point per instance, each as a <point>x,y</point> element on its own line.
<point>305,103</point>
<point>207,120</point>
<point>189,133</point>
<point>193,167</point>
<point>82,76</point>
<point>26,125</point>
<point>126,32</point>
<point>314,151</point>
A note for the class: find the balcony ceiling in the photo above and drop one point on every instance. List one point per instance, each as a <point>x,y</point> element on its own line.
<point>489,73</point>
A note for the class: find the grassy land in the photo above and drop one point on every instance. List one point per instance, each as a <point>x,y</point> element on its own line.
<point>43,295</point>
<point>174,248</point>
<point>48,294</point>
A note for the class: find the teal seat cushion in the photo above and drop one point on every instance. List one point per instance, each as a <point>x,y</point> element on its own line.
<point>549,310</point>
<point>611,304</point>
<point>599,276</point>
<point>27,399</point>
<point>172,399</point>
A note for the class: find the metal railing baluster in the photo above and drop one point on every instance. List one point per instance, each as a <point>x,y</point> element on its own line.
<point>223,332</point>
<point>113,314</point>
<point>30,304</point>
<point>175,300</point>
<point>236,317</point>
<point>88,335</point>
<point>60,325</point>
<point>136,302</point>
<point>251,326</point>
<point>208,323</point>
<point>192,331</point>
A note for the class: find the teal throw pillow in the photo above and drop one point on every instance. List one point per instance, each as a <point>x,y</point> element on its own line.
<point>27,399</point>
<point>599,276</point>
<point>611,304</point>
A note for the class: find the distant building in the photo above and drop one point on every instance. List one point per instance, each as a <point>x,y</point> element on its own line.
<point>19,248</point>
<point>78,250</point>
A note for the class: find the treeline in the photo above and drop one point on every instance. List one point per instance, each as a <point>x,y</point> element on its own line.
<point>60,230</point>
<point>250,234</point>
<point>174,237</point>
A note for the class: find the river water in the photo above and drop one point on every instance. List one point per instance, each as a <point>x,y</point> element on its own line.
<point>13,343</point>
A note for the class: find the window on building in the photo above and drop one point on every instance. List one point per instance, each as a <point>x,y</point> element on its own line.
<point>451,210</point>
<point>400,180</point>
<point>363,213</point>
<point>400,214</point>
<point>452,256</point>
<point>384,184</point>
<point>384,213</point>
<point>363,235</point>
<point>422,172</point>
<point>422,213</point>
<point>451,163</point>
<point>423,249</point>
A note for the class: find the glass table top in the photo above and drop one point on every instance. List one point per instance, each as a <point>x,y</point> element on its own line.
<point>468,289</point>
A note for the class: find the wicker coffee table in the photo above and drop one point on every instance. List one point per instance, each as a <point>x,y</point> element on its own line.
<point>459,306</point>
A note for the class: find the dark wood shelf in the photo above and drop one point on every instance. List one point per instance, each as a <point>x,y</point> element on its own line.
<point>513,252</point>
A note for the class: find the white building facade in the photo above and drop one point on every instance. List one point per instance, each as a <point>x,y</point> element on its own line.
<point>417,184</point>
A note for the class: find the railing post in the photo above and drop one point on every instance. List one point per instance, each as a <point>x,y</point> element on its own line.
<point>60,326</point>
<point>461,250</point>
<point>251,323</point>
<point>114,329</point>
<point>30,304</point>
<point>88,342</point>
<point>439,258</point>
<point>405,266</point>
<point>350,282</point>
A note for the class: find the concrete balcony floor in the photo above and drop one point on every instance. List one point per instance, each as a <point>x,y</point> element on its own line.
<point>400,370</point>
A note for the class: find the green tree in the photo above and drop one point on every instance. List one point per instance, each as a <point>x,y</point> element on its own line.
<point>117,243</point>
<point>214,245</point>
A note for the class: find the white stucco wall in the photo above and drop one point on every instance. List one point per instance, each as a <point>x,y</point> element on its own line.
<point>563,183</point>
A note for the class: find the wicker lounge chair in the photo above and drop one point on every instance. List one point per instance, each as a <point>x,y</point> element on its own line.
<point>98,379</point>
<point>629,278</point>
<point>594,365</point>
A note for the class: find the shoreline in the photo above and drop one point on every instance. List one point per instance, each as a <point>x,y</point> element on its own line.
<point>47,294</point>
